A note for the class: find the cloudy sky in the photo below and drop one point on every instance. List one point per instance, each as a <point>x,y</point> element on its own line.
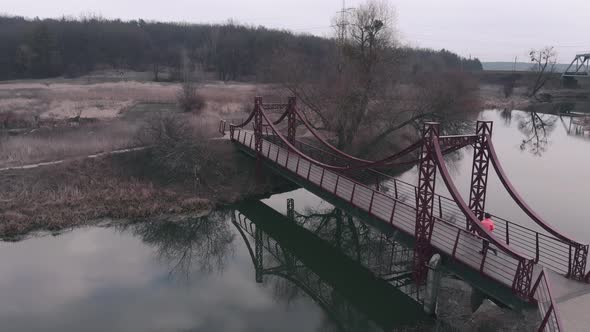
<point>493,30</point>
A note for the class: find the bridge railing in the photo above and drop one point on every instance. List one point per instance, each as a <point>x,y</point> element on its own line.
<point>541,293</point>
<point>576,260</point>
<point>546,249</point>
<point>452,240</point>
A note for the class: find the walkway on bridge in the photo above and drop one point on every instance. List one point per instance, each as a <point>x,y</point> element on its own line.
<point>524,256</point>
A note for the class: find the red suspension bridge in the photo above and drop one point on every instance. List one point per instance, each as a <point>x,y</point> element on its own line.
<point>523,258</point>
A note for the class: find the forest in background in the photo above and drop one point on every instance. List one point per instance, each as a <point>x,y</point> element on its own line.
<point>35,48</point>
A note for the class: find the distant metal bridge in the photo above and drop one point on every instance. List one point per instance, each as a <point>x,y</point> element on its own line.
<point>449,226</point>
<point>580,67</point>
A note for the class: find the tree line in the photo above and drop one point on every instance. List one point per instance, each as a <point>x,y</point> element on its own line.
<point>35,48</point>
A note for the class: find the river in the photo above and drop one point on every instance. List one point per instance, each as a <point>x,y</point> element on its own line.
<point>258,266</point>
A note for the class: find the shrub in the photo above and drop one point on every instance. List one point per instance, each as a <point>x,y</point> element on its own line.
<point>17,120</point>
<point>189,99</point>
<point>178,151</point>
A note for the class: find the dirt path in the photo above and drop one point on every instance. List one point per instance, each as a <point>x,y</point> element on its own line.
<point>56,162</point>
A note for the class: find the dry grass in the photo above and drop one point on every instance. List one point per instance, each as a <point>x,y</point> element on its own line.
<point>48,144</point>
<point>79,192</point>
<point>492,96</point>
<point>30,104</point>
<point>120,186</point>
<point>102,100</point>
<point>125,186</point>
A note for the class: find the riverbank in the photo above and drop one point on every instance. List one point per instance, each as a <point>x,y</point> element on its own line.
<point>122,186</point>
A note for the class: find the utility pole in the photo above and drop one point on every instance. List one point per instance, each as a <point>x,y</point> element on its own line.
<point>342,24</point>
<point>514,66</point>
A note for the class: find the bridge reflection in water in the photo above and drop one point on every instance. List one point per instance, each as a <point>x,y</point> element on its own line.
<point>358,275</point>
<point>521,254</point>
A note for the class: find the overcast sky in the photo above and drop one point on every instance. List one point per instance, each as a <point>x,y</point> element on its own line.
<point>493,30</point>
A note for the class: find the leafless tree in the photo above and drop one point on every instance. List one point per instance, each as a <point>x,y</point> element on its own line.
<point>544,66</point>
<point>189,98</point>
<point>178,151</point>
<point>358,94</point>
<point>341,95</point>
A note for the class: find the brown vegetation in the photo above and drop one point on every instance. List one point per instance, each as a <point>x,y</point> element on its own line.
<point>79,192</point>
<point>544,65</point>
<point>128,186</point>
<point>65,141</point>
<point>57,121</point>
<point>185,169</point>
<point>369,93</point>
<point>189,99</point>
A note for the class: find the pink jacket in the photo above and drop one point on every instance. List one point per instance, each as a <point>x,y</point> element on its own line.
<point>488,224</point>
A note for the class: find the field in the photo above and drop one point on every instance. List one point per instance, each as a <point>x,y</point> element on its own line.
<point>43,120</point>
<point>53,120</point>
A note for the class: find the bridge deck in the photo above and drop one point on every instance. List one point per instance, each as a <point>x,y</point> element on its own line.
<point>548,250</point>
<point>447,238</point>
<point>572,300</point>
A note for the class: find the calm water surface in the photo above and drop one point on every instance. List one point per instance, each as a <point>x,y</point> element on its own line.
<point>252,268</point>
<point>551,170</point>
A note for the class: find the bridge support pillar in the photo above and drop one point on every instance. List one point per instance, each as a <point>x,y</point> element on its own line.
<point>521,285</point>
<point>425,202</point>
<point>479,171</point>
<point>258,135</point>
<point>432,284</point>
<point>291,120</point>
<point>258,247</point>
<point>291,209</point>
<point>577,264</point>
<point>258,126</point>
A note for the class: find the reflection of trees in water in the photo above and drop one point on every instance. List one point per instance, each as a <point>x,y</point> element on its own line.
<point>577,125</point>
<point>536,127</point>
<point>506,115</point>
<point>290,279</point>
<point>365,245</point>
<point>205,241</point>
<point>341,314</point>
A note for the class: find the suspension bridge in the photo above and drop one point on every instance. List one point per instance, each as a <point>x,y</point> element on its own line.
<point>542,266</point>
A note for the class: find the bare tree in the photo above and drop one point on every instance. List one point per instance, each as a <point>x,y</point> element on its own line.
<point>341,95</point>
<point>188,98</point>
<point>178,151</point>
<point>359,94</point>
<point>544,66</point>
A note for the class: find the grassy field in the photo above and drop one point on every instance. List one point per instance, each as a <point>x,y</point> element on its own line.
<point>48,120</point>
<point>111,111</point>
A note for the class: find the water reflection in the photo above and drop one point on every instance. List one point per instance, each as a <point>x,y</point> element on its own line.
<point>576,125</point>
<point>310,270</point>
<point>554,183</point>
<point>536,128</point>
<point>360,277</point>
<point>202,241</point>
<point>506,115</point>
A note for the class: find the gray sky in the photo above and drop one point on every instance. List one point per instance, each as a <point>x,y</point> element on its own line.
<point>493,30</point>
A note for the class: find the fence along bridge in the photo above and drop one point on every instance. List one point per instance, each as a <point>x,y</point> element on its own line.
<point>527,261</point>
